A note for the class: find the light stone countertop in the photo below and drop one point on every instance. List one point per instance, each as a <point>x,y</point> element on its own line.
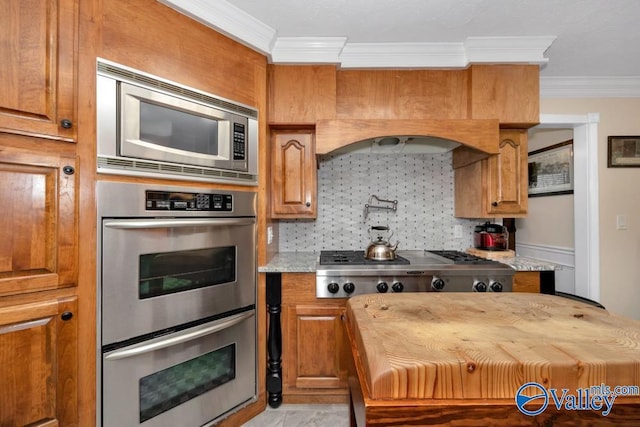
<point>291,262</point>
<point>519,263</point>
<point>305,262</point>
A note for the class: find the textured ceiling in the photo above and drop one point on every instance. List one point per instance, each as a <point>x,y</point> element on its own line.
<point>593,37</point>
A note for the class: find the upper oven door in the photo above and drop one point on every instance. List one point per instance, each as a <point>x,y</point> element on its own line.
<point>162,272</point>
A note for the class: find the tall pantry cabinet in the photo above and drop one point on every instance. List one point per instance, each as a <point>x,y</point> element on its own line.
<point>39,214</point>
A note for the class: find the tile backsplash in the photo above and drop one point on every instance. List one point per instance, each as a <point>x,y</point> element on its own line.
<point>421,183</point>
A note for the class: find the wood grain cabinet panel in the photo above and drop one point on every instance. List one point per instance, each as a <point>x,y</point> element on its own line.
<point>526,281</point>
<point>402,94</point>
<point>508,175</point>
<point>496,185</point>
<point>301,94</point>
<point>38,363</point>
<point>508,92</point>
<point>39,246</point>
<point>38,46</point>
<point>293,174</point>
<point>315,349</point>
<point>315,337</point>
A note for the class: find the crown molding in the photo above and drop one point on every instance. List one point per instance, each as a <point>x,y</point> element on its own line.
<point>229,20</point>
<point>475,50</point>
<point>590,87</point>
<point>403,55</point>
<point>307,50</point>
<point>502,50</point>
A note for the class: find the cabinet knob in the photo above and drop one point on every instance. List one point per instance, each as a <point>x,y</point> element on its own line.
<point>67,315</point>
<point>308,204</point>
<point>494,204</point>
<point>66,123</point>
<point>68,170</point>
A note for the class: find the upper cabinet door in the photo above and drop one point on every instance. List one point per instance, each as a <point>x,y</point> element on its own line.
<point>37,72</point>
<point>293,175</point>
<point>496,185</point>
<point>508,175</point>
<point>39,245</point>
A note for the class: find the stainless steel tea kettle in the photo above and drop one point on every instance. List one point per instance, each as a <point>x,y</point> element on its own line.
<point>380,249</point>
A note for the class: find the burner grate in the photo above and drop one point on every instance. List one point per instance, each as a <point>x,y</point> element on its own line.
<point>355,258</point>
<point>459,257</point>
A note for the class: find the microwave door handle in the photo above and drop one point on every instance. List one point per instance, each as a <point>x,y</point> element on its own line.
<point>179,339</point>
<point>176,223</point>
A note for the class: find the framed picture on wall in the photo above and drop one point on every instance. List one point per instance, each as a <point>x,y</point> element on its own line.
<point>623,152</point>
<point>551,170</point>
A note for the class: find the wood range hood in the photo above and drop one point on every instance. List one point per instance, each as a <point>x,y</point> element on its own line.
<point>479,134</point>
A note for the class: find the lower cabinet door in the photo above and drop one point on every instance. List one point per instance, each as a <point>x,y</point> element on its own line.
<point>315,350</point>
<point>39,363</point>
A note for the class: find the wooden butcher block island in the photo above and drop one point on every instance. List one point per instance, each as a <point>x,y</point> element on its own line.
<point>460,358</point>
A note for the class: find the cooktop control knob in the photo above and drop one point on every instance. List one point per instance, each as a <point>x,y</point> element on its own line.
<point>333,287</point>
<point>397,287</point>
<point>437,284</point>
<point>495,286</point>
<point>382,287</point>
<point>349,287</point>
<point>479,286</point>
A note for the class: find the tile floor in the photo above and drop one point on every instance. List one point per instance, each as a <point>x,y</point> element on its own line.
<point>288,415</point>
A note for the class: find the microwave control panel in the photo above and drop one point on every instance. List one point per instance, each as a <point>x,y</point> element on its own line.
<point>239,141</point>
<point>180,201</point>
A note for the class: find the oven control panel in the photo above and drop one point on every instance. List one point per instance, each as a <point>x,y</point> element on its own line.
<point>181,201</point>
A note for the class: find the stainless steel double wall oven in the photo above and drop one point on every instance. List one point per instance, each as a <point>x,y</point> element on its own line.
<point>177,295</point>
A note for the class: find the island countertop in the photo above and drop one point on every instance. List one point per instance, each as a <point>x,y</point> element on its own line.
<point>466,357</point>
<point>476,345</point>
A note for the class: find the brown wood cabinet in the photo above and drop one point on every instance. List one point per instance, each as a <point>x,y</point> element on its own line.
<point>315,347</point>
<point>38,46</point>
<point>305,94</point>
<point>495,185</point>
<point>526,281</point>
<point>39,247</point>
<point>293,174</point>
<point>301,94</point>
<point>39,363</point>
<point>508,92</point>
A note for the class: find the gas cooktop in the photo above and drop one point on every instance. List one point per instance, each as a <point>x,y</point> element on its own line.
<point>348,258</point>
<point>343,273</point>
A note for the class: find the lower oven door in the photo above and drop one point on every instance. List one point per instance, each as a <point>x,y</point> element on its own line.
<point>187,378</point>
<point>158,273</point>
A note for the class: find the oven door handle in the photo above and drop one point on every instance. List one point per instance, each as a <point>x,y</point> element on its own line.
<point>176,223</point>
<point>179,339</point>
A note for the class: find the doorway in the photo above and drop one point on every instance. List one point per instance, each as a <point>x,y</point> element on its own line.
<point>585,200</point>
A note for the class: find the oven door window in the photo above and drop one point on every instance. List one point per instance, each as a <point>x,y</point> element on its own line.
<point>171,272</point>
<point>173,386</point>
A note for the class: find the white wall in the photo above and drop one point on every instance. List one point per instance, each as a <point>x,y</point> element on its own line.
<point>550,218</point>
<point>619,194</point>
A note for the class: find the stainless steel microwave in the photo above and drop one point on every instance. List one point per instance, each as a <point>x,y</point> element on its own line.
<point>149,126</point>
